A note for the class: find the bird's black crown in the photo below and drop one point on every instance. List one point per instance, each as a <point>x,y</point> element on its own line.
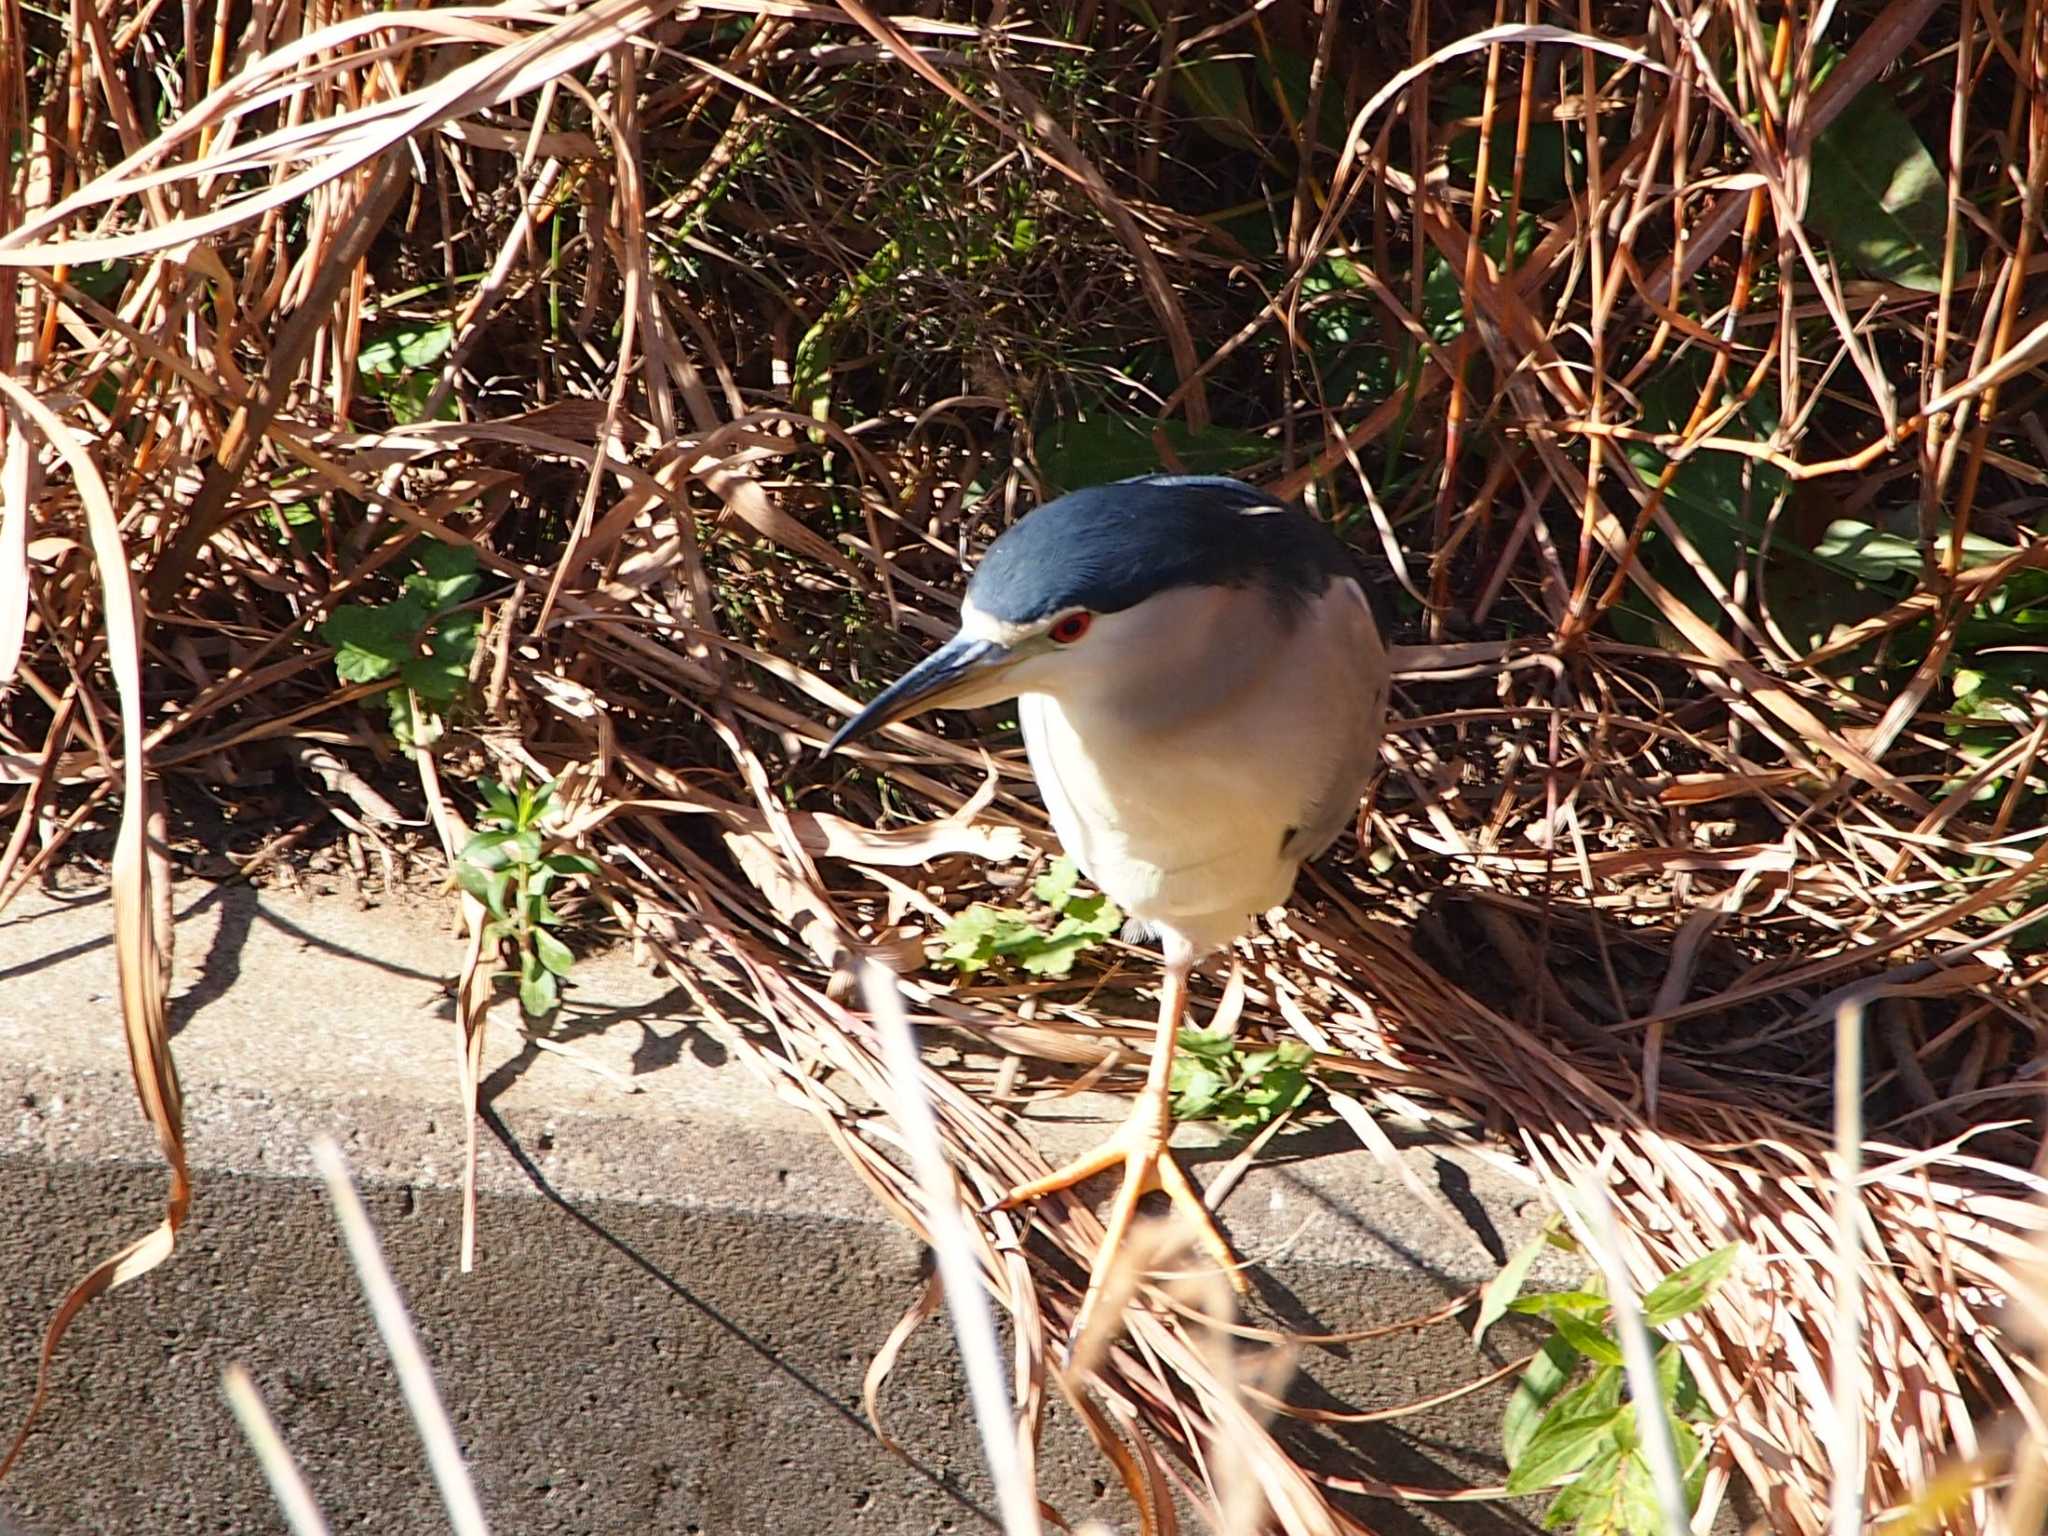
<point>1109,547</point>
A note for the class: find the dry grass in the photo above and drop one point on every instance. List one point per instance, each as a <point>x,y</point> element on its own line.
<point>736,329</point>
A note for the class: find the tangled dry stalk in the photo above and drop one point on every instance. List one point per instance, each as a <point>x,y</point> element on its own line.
<point>730,330</point>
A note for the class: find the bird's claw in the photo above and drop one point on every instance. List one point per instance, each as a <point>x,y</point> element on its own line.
<point>1139,1145</point>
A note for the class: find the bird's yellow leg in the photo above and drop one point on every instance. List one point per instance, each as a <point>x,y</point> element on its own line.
<point>1139,1146</point>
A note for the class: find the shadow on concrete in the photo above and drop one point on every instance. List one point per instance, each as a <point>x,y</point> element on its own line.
<point>1304,1148</point>
<point>575,1021</point>
<point>61,904</point>
<point>1383,1452</point>
<point>242,908</point>
<point>726,1325</point>
<point>655,1050</point>
<point>222,967</point>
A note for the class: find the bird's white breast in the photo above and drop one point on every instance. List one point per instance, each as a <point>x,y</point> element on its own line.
<point>1180,808</point>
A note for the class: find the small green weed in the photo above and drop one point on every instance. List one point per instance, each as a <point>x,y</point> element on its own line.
<point>1587,1442</point>
<point>503,867</point>
<point>1216,1078</point>
<point>416,639</point>
<point>1878,195</point>
<point>983,935</point>
<point>401,369</point>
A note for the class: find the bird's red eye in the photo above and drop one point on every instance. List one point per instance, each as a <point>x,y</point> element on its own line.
<point>1071,628</point>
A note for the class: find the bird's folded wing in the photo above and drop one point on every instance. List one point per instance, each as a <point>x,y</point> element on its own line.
<point>1363,698</point>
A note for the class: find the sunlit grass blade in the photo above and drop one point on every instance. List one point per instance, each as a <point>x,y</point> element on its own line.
<point>401,1342</point>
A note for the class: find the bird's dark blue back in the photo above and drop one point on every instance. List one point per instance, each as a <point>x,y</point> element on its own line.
<point>1109,547</point>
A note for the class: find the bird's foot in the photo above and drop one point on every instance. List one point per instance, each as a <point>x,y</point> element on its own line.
<point>1139,1145</point>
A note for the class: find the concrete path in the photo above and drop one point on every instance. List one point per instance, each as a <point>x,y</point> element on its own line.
<point>677,1293</point>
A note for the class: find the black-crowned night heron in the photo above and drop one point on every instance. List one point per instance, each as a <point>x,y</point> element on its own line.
<point>1202,688</point>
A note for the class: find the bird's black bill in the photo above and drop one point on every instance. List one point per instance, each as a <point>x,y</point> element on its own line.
<point>924,686</point>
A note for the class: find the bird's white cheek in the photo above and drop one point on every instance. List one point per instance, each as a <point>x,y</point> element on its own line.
<point>1037,673</point>
<point>989,688</point>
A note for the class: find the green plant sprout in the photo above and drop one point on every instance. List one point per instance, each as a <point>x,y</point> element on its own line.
<point>1216,1078</point>
<point>503,867</point>
<point>401,368</point>
<point>417,639</point>
<point>984,935</point>
<point>1587,1442</point>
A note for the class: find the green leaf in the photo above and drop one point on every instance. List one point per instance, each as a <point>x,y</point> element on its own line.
<point>1670,1365</point>
<point>486,884</point>
<point>442,675</point>
<point>969,940</point>
<point>1017,934</point>
<point>1550,1303</point>
<point>1088,450</point>
<point>444,561</point>
<point>1214,1077</point>
<point>1720,501</point>
<point>1637,1509</point>
<point>1692,1460</point>
<point>1247,1111</point>
<point>1545,170</point>
<point>486,849</point>
<point>982,934</point>
<point>446,575</point>
<point>1443,303</point>
<point>1592,1342</point>
<point>408,396</point>
<point>1197,1088</point>
<point>495,796</point>
<point>1562,1444</point>
<point>569,864</point>
<point>1057,883</point>
<point>436,679</point>
<point>1877,194</point>
<point>1214,1045</point>
<point>369,643</point>
<point>454,636</point>
<point>1540,1382</point>
<point>1277,1090</point>
<point>1054,956</point>
<point>1342,327</point>
<point>1443,291</point>
<point>1874,555</point>
<point>1095,917</point>
<point>552,952</point>
<point>1675,1382</point>
<point>1615,1494</point>
<point>1685,1290</point>
<point>1218,102</point>
<point>499,847</point>
<point>534,800</point>
<point>1292,1053</point>
<point>411,728</point>
<point>1505,1286</point>
<point>402,350</point>
<point>539,991</point>
<point>1588,1499</point>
